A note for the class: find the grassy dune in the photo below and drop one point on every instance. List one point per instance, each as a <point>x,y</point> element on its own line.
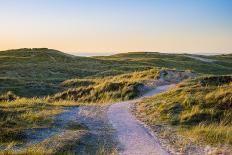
<point>22,113</point>
<point>221,65</point>
<point>108,89</point>
<point>36,84</point>
<point>199,109</point>
<point>38,72</point>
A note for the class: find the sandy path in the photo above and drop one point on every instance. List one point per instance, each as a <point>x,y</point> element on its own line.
<point>200,58</point>
<point>135,139</point>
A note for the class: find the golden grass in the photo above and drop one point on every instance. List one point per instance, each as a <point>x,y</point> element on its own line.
<point>25,113</point>
<point>210,133</point>
<point>108,89</point>
<point>200,108</point>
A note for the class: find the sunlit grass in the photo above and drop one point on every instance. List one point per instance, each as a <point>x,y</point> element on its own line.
<point>39,72</point>
<point>200,109</point>
<point>24,113</point>
<point>108,89</point>
<point>210,133</point>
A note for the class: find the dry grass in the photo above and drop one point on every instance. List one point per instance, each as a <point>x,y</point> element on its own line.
<point>200,109</point>
<point>105,90</point>
<point>35,113</point>
<point>23,113</point>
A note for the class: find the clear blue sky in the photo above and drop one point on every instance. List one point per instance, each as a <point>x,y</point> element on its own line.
<point>117,25</point>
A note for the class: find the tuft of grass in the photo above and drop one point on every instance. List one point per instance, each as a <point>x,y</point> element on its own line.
<point>210,133</point>
<point>9,96</point>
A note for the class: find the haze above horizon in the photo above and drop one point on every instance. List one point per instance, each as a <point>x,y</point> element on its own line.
<point>94,26</point>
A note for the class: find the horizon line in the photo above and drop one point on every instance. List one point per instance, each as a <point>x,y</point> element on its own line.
<point>108,53</point>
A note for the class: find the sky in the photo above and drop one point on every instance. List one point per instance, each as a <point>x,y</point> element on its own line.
<point>101,26</point>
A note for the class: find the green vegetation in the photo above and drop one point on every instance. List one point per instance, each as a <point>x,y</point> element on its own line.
<point>38,72</point>
<point>108,89</point>
<point>22,114</point>
<point>9,96</point>
<point>222,65</point>
<point>199,109</point>
<point>37,84</point>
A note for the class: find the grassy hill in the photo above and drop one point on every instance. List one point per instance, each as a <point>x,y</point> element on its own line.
<point>39,72</point>
<point>119,87</point>
<point>108,89</point>
<point>200,109</point>
<point>221,65</point>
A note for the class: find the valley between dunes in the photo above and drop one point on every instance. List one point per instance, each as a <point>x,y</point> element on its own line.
<point>129,103</point>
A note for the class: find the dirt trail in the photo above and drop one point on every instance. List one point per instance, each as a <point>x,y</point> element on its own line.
<point>107,125</point>
<point>201,59</point>
<point>133,136</point>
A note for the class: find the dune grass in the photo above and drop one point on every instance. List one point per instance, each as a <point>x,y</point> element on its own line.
<point>68,144</point>
<point>36,84</point>
<point>199,109</point>
<point>23,113</point>
<point>221,66</point>
<point>214,133</point>
<point>19,114</point>
<point>38,72</point>
<point>105,90</point>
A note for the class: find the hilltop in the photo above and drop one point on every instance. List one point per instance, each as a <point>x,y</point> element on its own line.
<point>217,64</point>
<point>45,63</point>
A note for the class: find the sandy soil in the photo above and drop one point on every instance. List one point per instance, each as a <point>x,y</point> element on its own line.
<point>37,135</point>
<point>133,136</point>
<point>112,127</point>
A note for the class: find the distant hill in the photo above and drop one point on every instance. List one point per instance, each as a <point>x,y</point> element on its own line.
<point>46,63</point>
<point>39,71</point>
<point>220,64</point>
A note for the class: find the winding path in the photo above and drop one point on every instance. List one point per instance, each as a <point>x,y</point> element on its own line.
<point>134,137</point>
